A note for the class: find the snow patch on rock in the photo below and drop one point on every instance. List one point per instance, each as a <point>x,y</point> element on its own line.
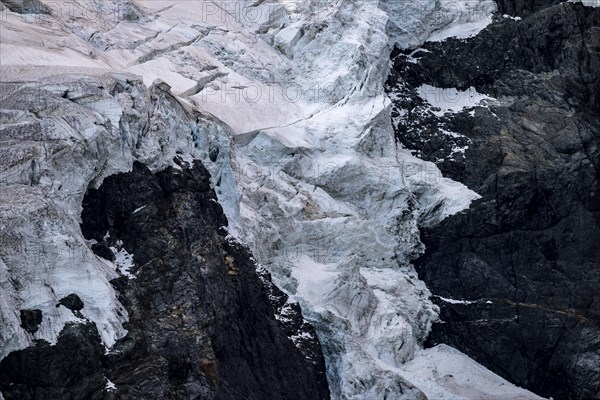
<point>451,100</point>
<point>446,373</point>
<point>123,260</point>
<point>587,3</point>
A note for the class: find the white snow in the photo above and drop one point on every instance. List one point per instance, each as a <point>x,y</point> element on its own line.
<point>446,373</point>
<point>138,209</point>
<point>511,17</point>
<point>110,387</point>
<point>454,301</point>
<point>123,260</point>
<point>591,3</point>
<point>452,100</point>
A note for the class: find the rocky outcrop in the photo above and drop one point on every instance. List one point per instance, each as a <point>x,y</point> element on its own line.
<point>516,275</point>
<point>72,369</point>
<point>30,320</point>
<point>202,322</point>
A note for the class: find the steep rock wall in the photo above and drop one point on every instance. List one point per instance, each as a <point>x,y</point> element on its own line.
<point>519,270</point>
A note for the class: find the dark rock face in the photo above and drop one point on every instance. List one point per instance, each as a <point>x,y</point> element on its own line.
<point>72,369</point>
<point>72,302</point>
<point>528,253</point>
<point>523,8</point>
<point>203,322</point>
<point>102,250</point>
<point>31,319</point>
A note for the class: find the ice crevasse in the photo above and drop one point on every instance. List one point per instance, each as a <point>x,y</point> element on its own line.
<point>303,159</point>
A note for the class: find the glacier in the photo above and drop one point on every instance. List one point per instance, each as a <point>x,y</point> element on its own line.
<point>285,105</point>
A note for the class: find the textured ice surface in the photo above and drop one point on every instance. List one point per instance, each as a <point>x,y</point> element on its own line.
<point>295,130</point>
<point>465,18</point>
<point>446,373</point>
<point>589,3</point>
